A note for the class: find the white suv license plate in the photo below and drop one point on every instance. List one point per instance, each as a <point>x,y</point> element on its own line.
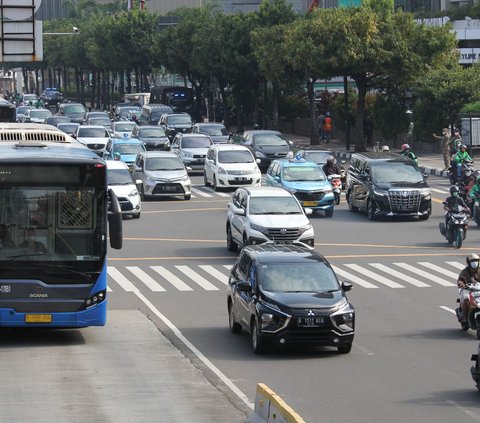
<point>310,321</point>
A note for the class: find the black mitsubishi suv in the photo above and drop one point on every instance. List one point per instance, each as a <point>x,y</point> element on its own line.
<point>289,295</point>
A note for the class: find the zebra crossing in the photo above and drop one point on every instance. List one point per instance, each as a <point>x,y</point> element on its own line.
<point>206,277</point>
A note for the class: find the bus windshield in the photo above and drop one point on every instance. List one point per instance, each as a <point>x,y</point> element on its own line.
<point>56,219</point>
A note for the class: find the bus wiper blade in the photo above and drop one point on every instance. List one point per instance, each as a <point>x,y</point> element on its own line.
<point>64,269</point>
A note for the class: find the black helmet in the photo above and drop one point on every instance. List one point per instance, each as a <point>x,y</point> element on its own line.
<point>453,189</point>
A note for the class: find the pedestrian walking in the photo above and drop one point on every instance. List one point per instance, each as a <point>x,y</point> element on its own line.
<point>445,146</point>
<point>327,127</point>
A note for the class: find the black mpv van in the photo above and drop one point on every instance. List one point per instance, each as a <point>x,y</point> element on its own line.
<point>387,184</point>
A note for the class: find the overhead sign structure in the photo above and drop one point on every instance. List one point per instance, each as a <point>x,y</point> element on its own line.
<point>20,33</point>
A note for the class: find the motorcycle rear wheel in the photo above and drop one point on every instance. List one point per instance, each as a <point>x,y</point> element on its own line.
<point>464,325</point>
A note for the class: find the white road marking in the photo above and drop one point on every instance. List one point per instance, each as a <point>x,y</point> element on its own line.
<point>146,279</point>
<point>448,309</point>
<point>353,278</point>
<point>115,274</point>
<point>440,191</point>
<point>194,276</point>
<point>401,276</point>
<point>456,264</point>
<point>423,274</point>
<point>215,273</point>
<point>439,269</point>
<point>375,276</point>
<point>196,351</point>
<point>170,277</point>
<point>201,193</point>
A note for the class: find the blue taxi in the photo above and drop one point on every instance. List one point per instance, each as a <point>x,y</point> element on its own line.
<point>305,180</point>
<point>124,149</point>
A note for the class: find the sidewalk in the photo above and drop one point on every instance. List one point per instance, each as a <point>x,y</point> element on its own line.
<point>430,163</point>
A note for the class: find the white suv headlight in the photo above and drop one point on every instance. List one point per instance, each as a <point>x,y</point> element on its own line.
<point>259,228</point>
<point>134,193</point>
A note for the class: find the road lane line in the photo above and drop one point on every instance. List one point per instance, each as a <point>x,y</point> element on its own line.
<point>424,274</point>
<point>215,273</point>
<point>170,277</point>
<point>201,193</point>
<point>228,266</point>
<point>464,410</point>
<point>399,275</point>
<point>115,274</point>
<point>440,191</point>
<point>220,194</point>
<point>353,278</point>
<point>196,351</point>
<point>146,279</point>
<point>438,269</point>
<point>448,309</point>
<point>375,276</point>
<point>195,277</point>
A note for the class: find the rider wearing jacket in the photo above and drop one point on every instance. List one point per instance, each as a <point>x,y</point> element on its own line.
<point>461,157</point>
<point>331,167</point>
<point>407,152</point>
<point>468,276</point>
<point>453,202</point>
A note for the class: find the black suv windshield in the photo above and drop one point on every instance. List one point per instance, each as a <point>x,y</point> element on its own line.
<point>269,140</point>
<point>274,205</point>
<point>297,277</point>
<point>179,120</point>
<point>213,130</point>
<point>396,172</point>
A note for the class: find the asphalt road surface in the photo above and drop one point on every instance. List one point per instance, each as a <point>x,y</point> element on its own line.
<point>410,360</point>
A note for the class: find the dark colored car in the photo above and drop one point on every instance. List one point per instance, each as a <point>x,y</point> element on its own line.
<point>287,295</point>
<point>51,97</point>
<point>266,145</point>
<point>150,114</point>
<point>387,184</point>
<point>75,111</point>
<point>175,122</point>
<point>153,137</point>
<point>55,120</point>
<point>216,131</point>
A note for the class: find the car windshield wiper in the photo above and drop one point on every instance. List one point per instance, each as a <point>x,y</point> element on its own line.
<point>272,212</point>
<point>291,212</point>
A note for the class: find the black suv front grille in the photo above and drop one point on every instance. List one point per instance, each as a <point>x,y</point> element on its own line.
<point>405,200</point>
<point>276,156</point>
<point>283,234</point>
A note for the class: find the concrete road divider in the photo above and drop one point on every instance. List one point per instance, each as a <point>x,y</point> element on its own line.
<point>270,408</point>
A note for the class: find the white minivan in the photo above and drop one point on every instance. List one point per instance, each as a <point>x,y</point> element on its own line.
<point>231,166</point>
<point>119,179</point>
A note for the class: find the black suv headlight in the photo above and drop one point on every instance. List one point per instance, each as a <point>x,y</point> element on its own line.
<point>271,318</point>
<point>344,319</point>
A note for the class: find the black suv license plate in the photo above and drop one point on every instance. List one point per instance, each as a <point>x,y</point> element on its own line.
<point>310,321</point>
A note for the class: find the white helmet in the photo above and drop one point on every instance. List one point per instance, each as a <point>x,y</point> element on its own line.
<point>385,148</point>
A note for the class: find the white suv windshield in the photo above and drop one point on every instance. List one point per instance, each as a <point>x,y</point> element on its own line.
<point>274,205</point>
<point>235,157</point>
<point>164,163</point>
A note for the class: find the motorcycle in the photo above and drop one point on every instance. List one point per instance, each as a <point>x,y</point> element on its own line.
<point>472,321</point>
<point>455,231</point>
<point>475,370</point>
<point>467,168</point>
<point>336,182</point>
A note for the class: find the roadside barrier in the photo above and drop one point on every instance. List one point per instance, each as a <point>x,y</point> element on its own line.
<point>270,408</point>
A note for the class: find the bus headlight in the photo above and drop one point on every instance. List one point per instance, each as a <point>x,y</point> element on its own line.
<point>95,299</point>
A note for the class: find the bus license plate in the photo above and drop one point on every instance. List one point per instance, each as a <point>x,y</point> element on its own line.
<point>309,203</point>
<point>38,318</point>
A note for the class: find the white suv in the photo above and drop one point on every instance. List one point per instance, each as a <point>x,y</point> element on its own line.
<point>267,214</point>
<point>228,165</point>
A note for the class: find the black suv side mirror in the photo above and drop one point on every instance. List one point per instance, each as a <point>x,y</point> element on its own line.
<point>244,286</point>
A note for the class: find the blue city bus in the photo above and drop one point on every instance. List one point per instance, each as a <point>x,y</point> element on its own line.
<point>53,229</point>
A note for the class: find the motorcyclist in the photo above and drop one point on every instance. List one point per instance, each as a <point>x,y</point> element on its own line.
<point>407,152</point>
<point>461,157</point>
<point>475,197</point>
<point>331,167</point>
<point>468,276</point>
<point>453,202</point>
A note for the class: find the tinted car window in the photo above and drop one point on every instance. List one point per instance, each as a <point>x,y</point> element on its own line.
<point>213,130</point>
<point>396,172</point>
<point>118,177</point>
<point>151,132</point>
<point>316,156</point>
<point>269,140</point>
<point>92,132</point>
<point>128,148</point>
<point>164,163</point>
<point>235,157</point>
<point>295,277</point>
<point>274,205</point>
<point>175,120</point>
<point>74,108</point>
<point>127,126</point>
<point>195,142</point>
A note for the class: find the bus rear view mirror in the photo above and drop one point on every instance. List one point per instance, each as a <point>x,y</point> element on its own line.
<point>115,221</point>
